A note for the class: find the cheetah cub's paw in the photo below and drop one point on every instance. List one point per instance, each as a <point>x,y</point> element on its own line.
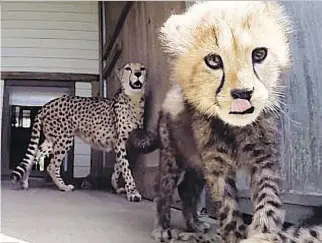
<point>134,196</point>
<point>165,235</point>
<point>203,227</point>
<point>261,238</point>
<point>24,185</point>
<point>177,236</point>
<point>197,238</point>
<point>68,188</point>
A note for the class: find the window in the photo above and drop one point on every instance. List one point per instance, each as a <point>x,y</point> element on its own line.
<point>21,117</point>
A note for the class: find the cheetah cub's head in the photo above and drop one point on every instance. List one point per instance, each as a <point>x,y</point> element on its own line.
<point>132,76</point>
<point>227,57</point>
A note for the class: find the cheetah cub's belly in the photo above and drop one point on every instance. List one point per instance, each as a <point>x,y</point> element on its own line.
<point>103,143</point>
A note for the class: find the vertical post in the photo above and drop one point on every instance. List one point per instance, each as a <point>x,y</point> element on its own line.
<point>100,46</point>
<point>99,165</point>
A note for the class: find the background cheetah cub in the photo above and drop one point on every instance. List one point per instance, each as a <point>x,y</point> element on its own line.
<point>103,123</point>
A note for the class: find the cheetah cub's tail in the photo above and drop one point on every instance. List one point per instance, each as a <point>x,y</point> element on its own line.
<point>26,164</point>
<point>315,218</point>
<point>143,141</point>
<point>308,231</point>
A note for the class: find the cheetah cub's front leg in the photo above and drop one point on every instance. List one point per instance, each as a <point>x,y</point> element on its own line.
<point>115,178</point>
<point>123,166</point>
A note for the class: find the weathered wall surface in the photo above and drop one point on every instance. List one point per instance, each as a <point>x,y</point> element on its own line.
<point>302,121</point>
<point>139,41</point>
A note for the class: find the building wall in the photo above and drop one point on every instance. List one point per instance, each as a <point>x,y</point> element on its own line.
<point>49,36</point>
<point>52,37</point>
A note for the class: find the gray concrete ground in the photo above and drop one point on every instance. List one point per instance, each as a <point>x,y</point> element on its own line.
<point>43,214</point>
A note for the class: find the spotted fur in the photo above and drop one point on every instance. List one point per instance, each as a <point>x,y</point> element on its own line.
<point>105,124</point>
<point>225,53</point>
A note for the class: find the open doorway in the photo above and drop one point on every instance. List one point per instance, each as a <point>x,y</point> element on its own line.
<point>22,101</point>
<point>22,119</point>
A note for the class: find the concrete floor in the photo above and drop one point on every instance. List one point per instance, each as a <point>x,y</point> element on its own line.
<point>43,214</point>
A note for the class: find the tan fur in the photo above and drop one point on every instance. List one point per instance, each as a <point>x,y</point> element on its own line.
<point>231,30</point>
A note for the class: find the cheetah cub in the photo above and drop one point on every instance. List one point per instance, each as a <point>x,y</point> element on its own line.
<point>105,124</point>
<point>220,117</point>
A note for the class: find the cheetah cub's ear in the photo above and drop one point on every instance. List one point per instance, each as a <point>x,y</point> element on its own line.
<point>119,73</point>
<point>171,35</point>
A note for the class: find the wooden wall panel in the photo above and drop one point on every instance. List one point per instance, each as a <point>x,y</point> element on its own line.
<point>302,129</point>
<point>140,43</point>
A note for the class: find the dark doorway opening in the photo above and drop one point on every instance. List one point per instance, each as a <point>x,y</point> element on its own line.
<point>22,120</point>
<point>21,103</point>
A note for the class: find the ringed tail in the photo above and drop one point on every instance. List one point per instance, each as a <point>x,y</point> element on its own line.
<point>27,162</point>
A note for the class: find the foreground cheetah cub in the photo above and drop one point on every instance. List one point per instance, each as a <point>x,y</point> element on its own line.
<point>221,117</point>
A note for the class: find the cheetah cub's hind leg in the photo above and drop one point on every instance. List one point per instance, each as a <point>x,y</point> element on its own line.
<point>197,231</point>
<point>190,191</point>
<point>43,151</point>
<point>59,152</point>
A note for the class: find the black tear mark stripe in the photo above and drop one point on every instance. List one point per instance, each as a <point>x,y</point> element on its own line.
<point>256,74</point>
<point>221,83</point>
<point>130,75</point>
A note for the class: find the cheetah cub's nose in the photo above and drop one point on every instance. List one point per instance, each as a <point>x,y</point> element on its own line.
<point>241,94</point>
<point>241,103</point>
<point>137,74</point>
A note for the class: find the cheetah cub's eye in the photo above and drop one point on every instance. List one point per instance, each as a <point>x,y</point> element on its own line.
<point>128,69</point>
<point>259,54</point>
<point>142,68</point>
<point>213,61</point>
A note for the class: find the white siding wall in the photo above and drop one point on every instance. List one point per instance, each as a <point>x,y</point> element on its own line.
<point>82,152</point>
<point>49,36</point>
